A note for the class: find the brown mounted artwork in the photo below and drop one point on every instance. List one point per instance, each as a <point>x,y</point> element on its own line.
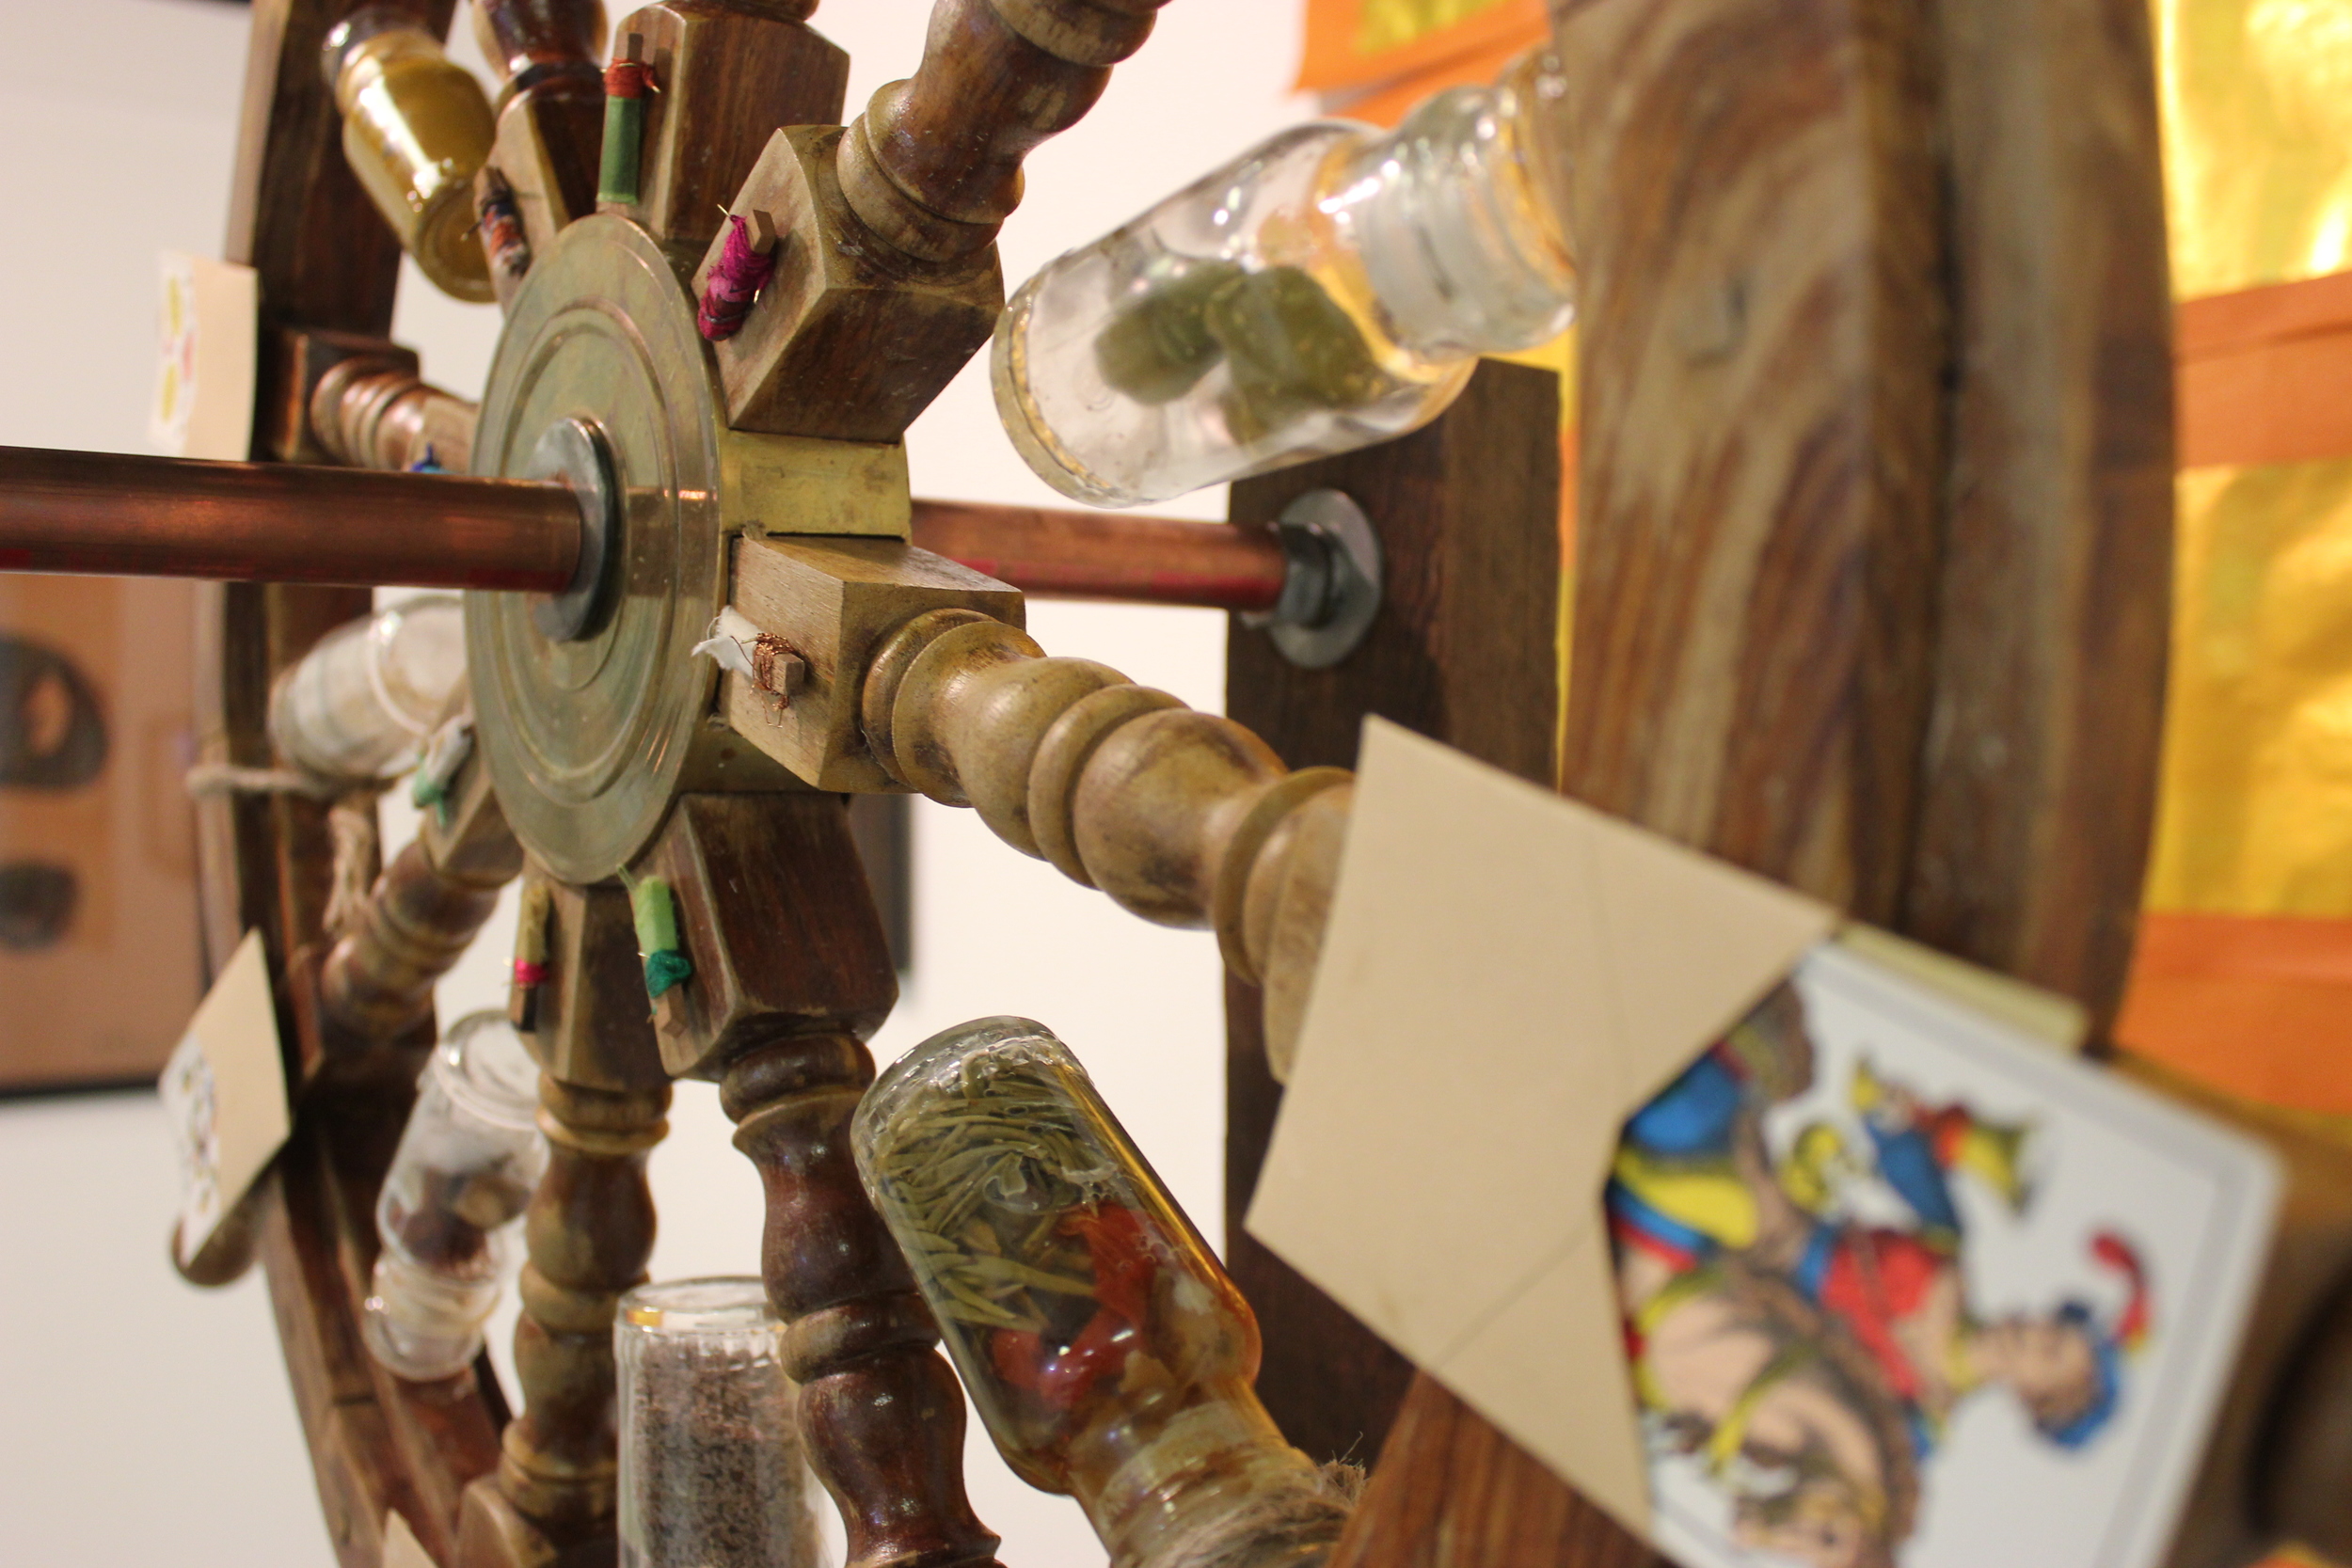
<point>97,955</point>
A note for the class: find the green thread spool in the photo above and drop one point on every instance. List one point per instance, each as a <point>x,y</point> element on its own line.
<point>654,908</point>
<point>626,81</point>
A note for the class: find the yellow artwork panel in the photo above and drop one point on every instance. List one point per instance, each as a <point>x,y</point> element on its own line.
<point>2256,805</point>
<point>2257,102</point>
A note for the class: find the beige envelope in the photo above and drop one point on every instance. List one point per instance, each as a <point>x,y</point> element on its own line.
<point>1507,975</point>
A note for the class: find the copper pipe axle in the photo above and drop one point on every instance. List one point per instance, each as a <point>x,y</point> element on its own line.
<point>1108,554</point>
<point>106,514</point>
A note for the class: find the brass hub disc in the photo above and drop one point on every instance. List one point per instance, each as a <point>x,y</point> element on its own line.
<point>588,737</point>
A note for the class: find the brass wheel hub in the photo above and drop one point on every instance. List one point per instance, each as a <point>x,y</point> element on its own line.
<point>593,711</point>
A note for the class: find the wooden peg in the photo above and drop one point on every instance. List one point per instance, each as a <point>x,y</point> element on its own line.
<point>759,223</point>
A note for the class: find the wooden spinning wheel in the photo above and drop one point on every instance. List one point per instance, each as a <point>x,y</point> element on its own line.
<point>1871,553</point>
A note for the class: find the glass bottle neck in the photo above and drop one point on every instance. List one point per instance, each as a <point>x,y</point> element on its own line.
<point>1454,219</point>
<point>1216,1483</point>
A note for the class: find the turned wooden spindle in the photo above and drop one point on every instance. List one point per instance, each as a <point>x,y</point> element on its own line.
<point>933,165</point>
<point>1183,817</point>
<point>881,1415</point>
<point>792,972</point>
<point>379,414</point>
<point>422,914</point>
<point>590,1230</point>
<point>534,40</point>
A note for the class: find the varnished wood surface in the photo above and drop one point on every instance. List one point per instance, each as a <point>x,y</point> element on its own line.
<point>550,104</point>
<point>1463,650</point>
<point>1760,456</point>
<point>589,1229</point>
<point>325,259</point>
<point>1478,1498</point>
<point>853,338</point>
<point>2038,789</point>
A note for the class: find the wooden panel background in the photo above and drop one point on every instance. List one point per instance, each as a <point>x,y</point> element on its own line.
<point>1873,523</point>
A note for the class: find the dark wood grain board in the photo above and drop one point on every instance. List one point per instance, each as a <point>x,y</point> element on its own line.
<point>1464,649</point>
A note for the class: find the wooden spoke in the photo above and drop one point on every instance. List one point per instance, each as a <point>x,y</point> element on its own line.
<point>377,982</point>
<point>933,165</point>
<point>589,1231</point>
<point>730,73</point>
<point>792,972</point>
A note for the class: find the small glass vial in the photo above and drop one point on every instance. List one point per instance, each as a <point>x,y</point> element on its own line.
<point>1104,1348</point>
<point>711,1470</point>
<point>468,1163</point>
<point>417,128</point>
<point>1329,288</point>
<point>363,702</point>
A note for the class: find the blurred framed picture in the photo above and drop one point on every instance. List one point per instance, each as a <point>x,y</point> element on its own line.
<point>99,967</point>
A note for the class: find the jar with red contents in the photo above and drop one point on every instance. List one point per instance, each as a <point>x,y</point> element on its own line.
<point>1105,1349</point>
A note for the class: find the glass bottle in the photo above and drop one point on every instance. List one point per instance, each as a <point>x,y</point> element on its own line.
<point>711,1470</point>
<point>468,1163</point>
<point>417,128</point>
<point>1328,289</point>
<point>1102,1344</point>
<point>362,702</point>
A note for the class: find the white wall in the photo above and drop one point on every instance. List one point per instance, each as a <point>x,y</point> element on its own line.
<point>141,1421</point>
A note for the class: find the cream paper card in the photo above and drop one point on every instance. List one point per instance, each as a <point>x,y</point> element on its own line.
<point>401,1549</point>
<point>2032,1276</point>
<point>208,336</point>
<point>224,1093</point>
<point>1439,1162</point>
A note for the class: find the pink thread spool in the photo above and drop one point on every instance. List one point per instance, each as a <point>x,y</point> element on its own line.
<point>746,262</point>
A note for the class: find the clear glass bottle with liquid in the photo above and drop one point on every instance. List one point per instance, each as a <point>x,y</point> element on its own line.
<point>1328,289</point>
<point>363,702</point>
<point>1105,1349</point>
<point>417,129</point>
<point>711,1469</point>
<point>468,1163</point>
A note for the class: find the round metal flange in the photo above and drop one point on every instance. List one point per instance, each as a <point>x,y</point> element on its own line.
<point>590,706</point>
<point>1332,589</point>
<point>577,453</point>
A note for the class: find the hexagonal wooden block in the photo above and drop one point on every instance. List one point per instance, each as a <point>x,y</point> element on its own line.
<point>773,912</point>
<point>595,1023</point>
<point>833,601</point>
<point>546,146</point>
<point>853,338</point>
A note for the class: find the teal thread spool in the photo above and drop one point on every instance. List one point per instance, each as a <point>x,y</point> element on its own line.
<point>654,908</point>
